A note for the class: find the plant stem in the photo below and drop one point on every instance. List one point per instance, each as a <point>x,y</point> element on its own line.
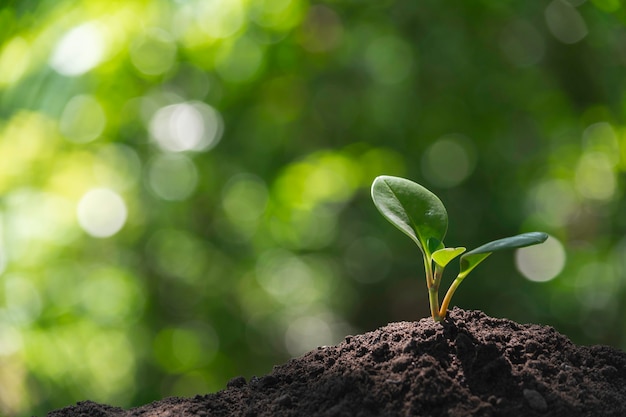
<point>429,271</point>
<point>433,297</point>
<point>433,288</point>
<point>437,276</point>
<point>449,294</point>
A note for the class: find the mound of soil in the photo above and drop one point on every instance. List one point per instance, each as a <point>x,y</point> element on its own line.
<point>468,365</point>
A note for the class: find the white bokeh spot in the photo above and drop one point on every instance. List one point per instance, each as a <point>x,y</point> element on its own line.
<point>79,50</point>
<point>101,212</point>
<point>541,263</point>
<point>183,127</point>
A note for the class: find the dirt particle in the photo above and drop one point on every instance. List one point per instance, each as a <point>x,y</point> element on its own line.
<point>531,346</point>
<point>381,352</point>
<point>535,400</point>
<point>361,351</point>
<point>400,364</point>
<point>410,346</point>
<point>429,332</point>
<point>267,381</point>
<point>284,400</point>
<point>236,382</point>
<point>316,370</point>
<point>464,346</point>
<point>609,371</point>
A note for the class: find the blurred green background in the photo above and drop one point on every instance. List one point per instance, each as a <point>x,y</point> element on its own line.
<point>185,184</point>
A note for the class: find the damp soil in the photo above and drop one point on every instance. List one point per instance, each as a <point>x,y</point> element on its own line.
<point>468,365</point>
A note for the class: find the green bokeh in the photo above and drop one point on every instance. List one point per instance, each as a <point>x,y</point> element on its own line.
<point>184,185</point>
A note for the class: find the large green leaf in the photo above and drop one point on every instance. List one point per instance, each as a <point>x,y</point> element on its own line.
<point>411,208</point>
<point>472,258</point>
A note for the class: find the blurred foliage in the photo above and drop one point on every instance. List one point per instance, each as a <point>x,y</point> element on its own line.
<point>185,183</point>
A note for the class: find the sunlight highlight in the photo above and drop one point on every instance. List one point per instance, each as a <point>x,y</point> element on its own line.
<point>188,347</point>
<point>306,333</point>
<point>239,61</point>
<point>23,300</point>
<point>10,339</point>
<point>79,50</point>
<point>83,119</point>
<point>192,126</point>
<point>101,212</point>
<point>554,201</point>
<point>449,161</point>
<point>220,18</point>
<point>15,58</point>
<point>543,262</point>
<point>595,178</point>
<point>244,198</point>
<point>172,176</point>
<point>598,286</point>
<point>565,22</point>
<point>154,53</point>
<point>389,59</point>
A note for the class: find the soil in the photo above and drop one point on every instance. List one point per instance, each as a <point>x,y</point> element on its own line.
<point>468,365</point>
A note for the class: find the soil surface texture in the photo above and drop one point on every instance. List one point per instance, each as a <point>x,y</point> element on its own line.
<point>468,365</point>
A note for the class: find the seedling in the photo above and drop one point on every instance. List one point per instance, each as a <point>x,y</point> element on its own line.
<point>421,215</point>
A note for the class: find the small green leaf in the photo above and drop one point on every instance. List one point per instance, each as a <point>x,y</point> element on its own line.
<point>471,259</point>
<point>411,208</point>
<point>442,257</point>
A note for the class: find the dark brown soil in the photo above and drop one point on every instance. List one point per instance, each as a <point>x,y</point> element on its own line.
<point>469,365</point>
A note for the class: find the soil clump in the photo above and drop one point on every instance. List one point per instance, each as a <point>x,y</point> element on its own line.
<point>468,365</point>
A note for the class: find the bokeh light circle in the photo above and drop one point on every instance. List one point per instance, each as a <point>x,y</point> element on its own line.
<point>245,198</point>
<point>565,22</point>
<point>83,119</point>
<point>172,176</point>
<point>554,201</point>
<point>594,177</point>
<point>101,212</point>
<point>154,53</point>
<point>449,161</point>
<point>389,59</point>
<point>541,263</point>
<point>192,126</point>
<point>79,50</point>
<point>307,332</point>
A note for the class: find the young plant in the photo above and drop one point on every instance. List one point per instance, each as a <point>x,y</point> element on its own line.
<point>421,215</point>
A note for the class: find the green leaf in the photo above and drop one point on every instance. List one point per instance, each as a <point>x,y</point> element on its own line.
<point>471,259</point>
<point>411,208</point>
<point>434,245</point>
<point>442,257</point>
